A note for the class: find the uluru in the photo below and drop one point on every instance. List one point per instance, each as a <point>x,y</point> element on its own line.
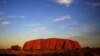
<point>51,44</point>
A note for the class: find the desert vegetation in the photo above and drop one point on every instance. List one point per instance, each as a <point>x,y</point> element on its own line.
<point>17,51</point>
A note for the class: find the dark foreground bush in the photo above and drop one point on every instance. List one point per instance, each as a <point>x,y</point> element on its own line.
<point>74,52</point>
<point>8,55</point>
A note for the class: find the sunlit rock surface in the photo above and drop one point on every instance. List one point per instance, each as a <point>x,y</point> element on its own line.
<point>51,44</point>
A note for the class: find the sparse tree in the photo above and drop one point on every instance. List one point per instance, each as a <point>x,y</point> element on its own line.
<point>15,47</point>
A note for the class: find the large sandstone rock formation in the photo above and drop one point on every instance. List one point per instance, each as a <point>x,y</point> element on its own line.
<point>51,44</point>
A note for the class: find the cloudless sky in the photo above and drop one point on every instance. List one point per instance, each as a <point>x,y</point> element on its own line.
<point>24,20</point>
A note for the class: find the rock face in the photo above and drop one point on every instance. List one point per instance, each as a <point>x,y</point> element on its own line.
<point>51,44</point>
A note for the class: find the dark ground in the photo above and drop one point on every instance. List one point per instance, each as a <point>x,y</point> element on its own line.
<point>73,52</point>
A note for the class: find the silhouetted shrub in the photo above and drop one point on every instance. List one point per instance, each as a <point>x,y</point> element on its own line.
<point>15,47</point>
<point>88,53</point>
<point>28,55</point>
<point>8,55</point>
